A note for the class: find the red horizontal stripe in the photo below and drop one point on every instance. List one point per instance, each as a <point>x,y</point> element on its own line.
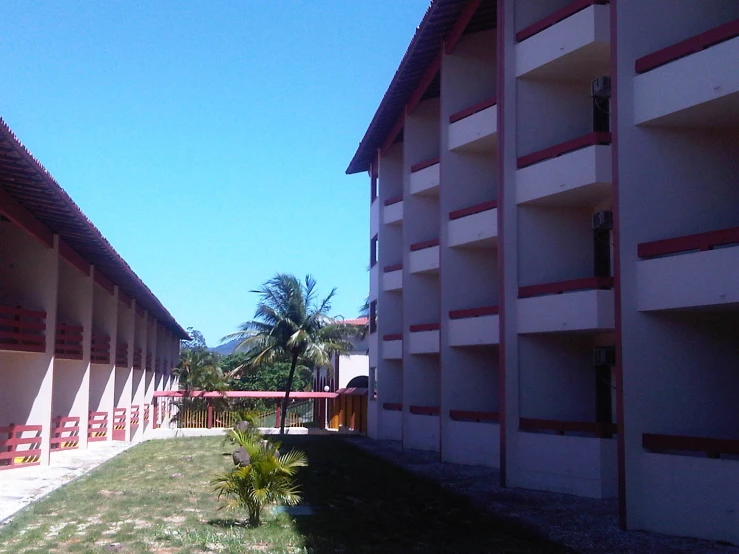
<point>473,312</point>
<point>476,209</point>
<point>392,406</point>
<point>566,286</point>
<point>395,336</point>
<point>690,444</point>
<point>591,427</point>
<point>700,241</point>
<point>394,200</point>
<point>425,244</point>
<point>424,327</point>
<point>393,267</point>
<point>686,47</point>
<point>591,139</point>
<point>479,417</point>
<point>555,18</point>
<point>423,165</point>
<point>424,410</point>
<point>488,102</point>
<point>35,314</point>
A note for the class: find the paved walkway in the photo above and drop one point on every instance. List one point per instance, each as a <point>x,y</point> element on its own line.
<point>19,487</point>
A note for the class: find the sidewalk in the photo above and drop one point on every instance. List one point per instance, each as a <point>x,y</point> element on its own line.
<point>19,487</point>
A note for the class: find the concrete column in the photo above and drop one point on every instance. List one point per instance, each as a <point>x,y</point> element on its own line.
<point>124,374</point>
<point>102,375</point>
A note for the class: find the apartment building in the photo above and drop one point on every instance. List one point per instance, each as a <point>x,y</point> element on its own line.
<point>554,226</point>
<point>83,342</point>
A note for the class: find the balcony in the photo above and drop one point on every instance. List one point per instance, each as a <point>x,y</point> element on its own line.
<point>392,347</point>
<point>576,172</point>
<point>568,457</point>
<point>576,305</point>
<point>424,339</point>
<point>474,327</point>
<point>426,177</point>
<point>691,83</point>
<point>474,129</point>
<point>137,358</point>
<point>392,278</point>
<point>571,43</point>
<point>688,272</point>
<point>121,355</point>
<point>100,350</point>
<point>424,257</point>
<point>474,227</point>
<point>393,211</point>
<point>22,330</point>
<point>68,342</point>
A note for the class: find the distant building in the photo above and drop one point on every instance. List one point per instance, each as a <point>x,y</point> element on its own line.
<point>351,369</point>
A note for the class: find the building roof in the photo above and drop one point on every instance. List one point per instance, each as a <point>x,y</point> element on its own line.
<point>436,25</point>
<point>357,321</point>
<point>27,181</point>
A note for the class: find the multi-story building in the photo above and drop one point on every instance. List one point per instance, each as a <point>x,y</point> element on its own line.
<point>83,342</point>
<point>554,229</point>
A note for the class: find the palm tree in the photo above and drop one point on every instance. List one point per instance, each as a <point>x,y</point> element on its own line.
<point>199,370</point>
<point>290,324</point>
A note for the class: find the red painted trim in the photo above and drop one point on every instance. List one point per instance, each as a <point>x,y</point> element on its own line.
<point>714,36</point>
<point>68,342</point>
<point>460,26</point>
<point>63,436</point>
<point>601,430</point>
<point>392,406</point>
<point>423,165</point>
<point>16,213</point>
<point>241,394</point>
<point>700,241</point>
<point>425,244</point>
<point>424,410</point>
<point>423,85</point>
<point>591,139</point>
<point>393,267</point>
<point>477,417</point>
<point>711,446</point>
<point>103,282</point>
<point>394,200</point>
<point>472,110</point>
<point>393,336</point>
<point>121,354</point>
<point>67,253</point>
<point>566,286</point>
<point>556,17</point>
<point>472,210</point>
<point>390,140</point>
<point>97,426</point>
<point>424,327</point>
<point>618,368</point>
<point>124,298</point>
<point>100,350</point>
<point>473,312</point>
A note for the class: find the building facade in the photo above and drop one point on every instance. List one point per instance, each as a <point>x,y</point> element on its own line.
<point>554,223</point>
<point>83,342</point>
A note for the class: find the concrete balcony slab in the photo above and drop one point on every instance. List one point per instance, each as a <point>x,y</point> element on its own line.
<point>476,132</point>
<point>584,310</point>
<point>475,227</point>
<point>426,178</point>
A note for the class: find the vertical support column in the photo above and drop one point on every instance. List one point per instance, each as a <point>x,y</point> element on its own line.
<point>105,308</point>
<point>138,375</point>
<point>124,373</point>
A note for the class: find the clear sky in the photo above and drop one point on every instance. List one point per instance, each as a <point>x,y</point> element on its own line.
<point>208,140</point>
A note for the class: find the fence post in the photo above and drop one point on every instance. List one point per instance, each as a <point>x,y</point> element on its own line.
<point>278,415</point>
<point>11,446</point>
<point>209,422</point>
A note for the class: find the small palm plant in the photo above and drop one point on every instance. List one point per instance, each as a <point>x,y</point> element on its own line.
<point>262,476</point>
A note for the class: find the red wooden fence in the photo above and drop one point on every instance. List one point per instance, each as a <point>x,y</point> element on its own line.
<point>121,354</point>
<point>68,342</point>
<point>135,417</point>
<point>65,433</point>
<point>119,424</point>
<point>137,358</point>
<point>97,429</point>
<point>100,350</point>
<point>26,436</point>
<point>22,329</point>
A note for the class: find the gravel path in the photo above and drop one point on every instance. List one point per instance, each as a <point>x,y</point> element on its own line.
<point>584,524</point>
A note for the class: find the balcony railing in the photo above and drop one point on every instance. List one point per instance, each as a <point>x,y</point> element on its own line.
<point>556,17</point>
<point>100,349</point>
<point>22,330</point>
<point>472,110</point>
<point>599,430</point>
<point>148,360</point>
<point>26,436</point>
<point>425,244</point>
<point>424,164</point>
<point>689,46</point>
<point>473,312</point>
<point>68,343</point>
<point>712,447</point>
<point>394,200</point>
<point>424,410</point>
<point>561,287</point>
<point>137,358</point>
<point>472,210</point>
<point>424,327</point>
<point>475,417</point>
<point>97,426</point>
<point>700,242</point>
<point>135,416</point>
<point>591,139</point>
<point>121,355</point>
<point>65,433</point>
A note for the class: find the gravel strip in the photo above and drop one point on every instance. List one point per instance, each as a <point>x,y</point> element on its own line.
<point>584,524</point>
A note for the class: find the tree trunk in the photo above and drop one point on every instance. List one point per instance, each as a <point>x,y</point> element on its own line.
<point>288,388</point>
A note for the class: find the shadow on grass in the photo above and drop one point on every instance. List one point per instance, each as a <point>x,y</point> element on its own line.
<point>365,504</point>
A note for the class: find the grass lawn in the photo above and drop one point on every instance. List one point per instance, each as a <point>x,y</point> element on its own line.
<point>156,498</point>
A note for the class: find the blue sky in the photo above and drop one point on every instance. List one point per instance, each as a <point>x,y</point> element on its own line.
<point>208,140</point>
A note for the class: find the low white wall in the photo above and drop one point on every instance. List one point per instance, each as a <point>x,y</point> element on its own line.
<point>391,425</point>
<point>467,442</point>
<point>421,432</point>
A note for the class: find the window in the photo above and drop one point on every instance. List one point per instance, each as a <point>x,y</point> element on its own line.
<point>373,383</point>
<point>373,317</point>
<point>373,251</point>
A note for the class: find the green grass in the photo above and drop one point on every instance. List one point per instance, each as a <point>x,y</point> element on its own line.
<point>156,498</point>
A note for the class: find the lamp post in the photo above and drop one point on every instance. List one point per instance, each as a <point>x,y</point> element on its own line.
<point>326,388</point>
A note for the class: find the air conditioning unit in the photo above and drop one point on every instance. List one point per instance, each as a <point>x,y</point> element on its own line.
<point>601,87</point>
<point>604,355</point>
<point>603,221</point>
